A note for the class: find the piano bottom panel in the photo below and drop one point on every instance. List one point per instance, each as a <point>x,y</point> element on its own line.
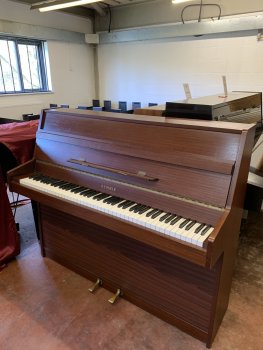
<point>174,289</point>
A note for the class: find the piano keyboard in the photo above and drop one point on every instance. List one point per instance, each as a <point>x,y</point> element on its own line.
<point>157,220</point>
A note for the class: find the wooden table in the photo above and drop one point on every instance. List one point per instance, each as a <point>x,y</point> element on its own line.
<point>153,111</point>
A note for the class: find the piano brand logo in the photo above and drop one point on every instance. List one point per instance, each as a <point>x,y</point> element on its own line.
<point>108,188</point>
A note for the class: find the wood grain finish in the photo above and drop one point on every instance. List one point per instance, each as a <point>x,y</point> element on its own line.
<point>146,274</point>
<point>201,169</point>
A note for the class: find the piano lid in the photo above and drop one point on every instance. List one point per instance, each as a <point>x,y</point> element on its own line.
<point>237,106</point>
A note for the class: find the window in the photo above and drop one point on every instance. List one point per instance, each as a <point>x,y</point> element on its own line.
<point>23,66</point>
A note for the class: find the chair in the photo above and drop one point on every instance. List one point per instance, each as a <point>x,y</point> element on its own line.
<point>64,106</point>
<point>82,107</point>
<point>150,104</point>
<point>95,103</point>
<point>97,108</point>
<point>31,116</point>
<point>123,106</point>
<point>53,105</point>
<point>115,110</point>
<point>136,105</point>
<point>107,105</point>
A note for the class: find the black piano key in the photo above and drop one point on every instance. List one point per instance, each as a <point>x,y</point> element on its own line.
<point>51,181</point>
<point>144,210</point>
<point>113,199</point>
<point>199,228</point>
<point>68,186</point>
<point>57,184</point>
<point>127,205</point>
<point>165,216</point>
<point>54,183</point>
<point>45,179</point>
<point>91,193</point>
<point>170,218</point>
<point>184,223</point>
<point>138,209</point>
<point>109,199</point>
<point>153,211</point>
<point>155,215</point>
<point>61,184</point>
<point>71,187</point>
<point>79,189</point>
<point>175,220</point>
<point>88,193</point>
<point>37,176</point>
<point>116,201</point>
<point>134,207</point>
<point>100,196</point>
<point>124,203</point>
<point>87,190</point>
<point>190,225</point>
<point>204,231</point>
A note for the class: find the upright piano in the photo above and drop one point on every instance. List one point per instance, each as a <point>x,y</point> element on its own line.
<point>147,207</point>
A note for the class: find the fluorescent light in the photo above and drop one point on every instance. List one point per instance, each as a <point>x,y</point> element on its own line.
<point>179,1</point>
<point>57,5</point>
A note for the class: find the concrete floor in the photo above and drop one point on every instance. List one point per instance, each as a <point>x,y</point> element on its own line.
<point>44,306</point>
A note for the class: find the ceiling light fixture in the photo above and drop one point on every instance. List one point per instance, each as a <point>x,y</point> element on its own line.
<point>57,5</point>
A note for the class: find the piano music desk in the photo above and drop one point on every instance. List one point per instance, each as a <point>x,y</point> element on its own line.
<point>189,169</point>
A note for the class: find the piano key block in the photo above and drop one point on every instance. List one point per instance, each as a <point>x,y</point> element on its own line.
<point>173,226</point>
<point>115,297</point>
<point>95,286</point>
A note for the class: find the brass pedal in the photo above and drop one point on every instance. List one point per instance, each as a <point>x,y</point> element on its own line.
<point>115,297</point>
<point>96,285</point>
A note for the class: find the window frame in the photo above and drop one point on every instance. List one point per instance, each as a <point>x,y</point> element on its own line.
<point>43,75</point>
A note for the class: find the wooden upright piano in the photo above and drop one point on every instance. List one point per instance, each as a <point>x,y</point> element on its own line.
<point>145,206</point>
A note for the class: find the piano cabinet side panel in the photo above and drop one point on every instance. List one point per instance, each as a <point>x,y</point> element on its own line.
<point>20,171</point>
<point>174,289</point>
<point>227,240</point>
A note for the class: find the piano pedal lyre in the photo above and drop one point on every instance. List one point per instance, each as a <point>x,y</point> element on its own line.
<point>95,286</point>
<point>115,297</point>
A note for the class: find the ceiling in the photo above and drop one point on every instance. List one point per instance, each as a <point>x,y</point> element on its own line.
<point>99,8</point>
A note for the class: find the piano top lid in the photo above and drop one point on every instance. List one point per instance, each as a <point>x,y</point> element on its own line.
<point>145,119</point>
<point>220,100</point>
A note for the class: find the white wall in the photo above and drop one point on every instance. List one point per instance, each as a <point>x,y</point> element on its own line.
<point>155,71</point>
<point>71,63</point>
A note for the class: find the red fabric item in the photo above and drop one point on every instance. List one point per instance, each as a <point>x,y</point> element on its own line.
<point>20,139</point>
<point>9,238</point>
